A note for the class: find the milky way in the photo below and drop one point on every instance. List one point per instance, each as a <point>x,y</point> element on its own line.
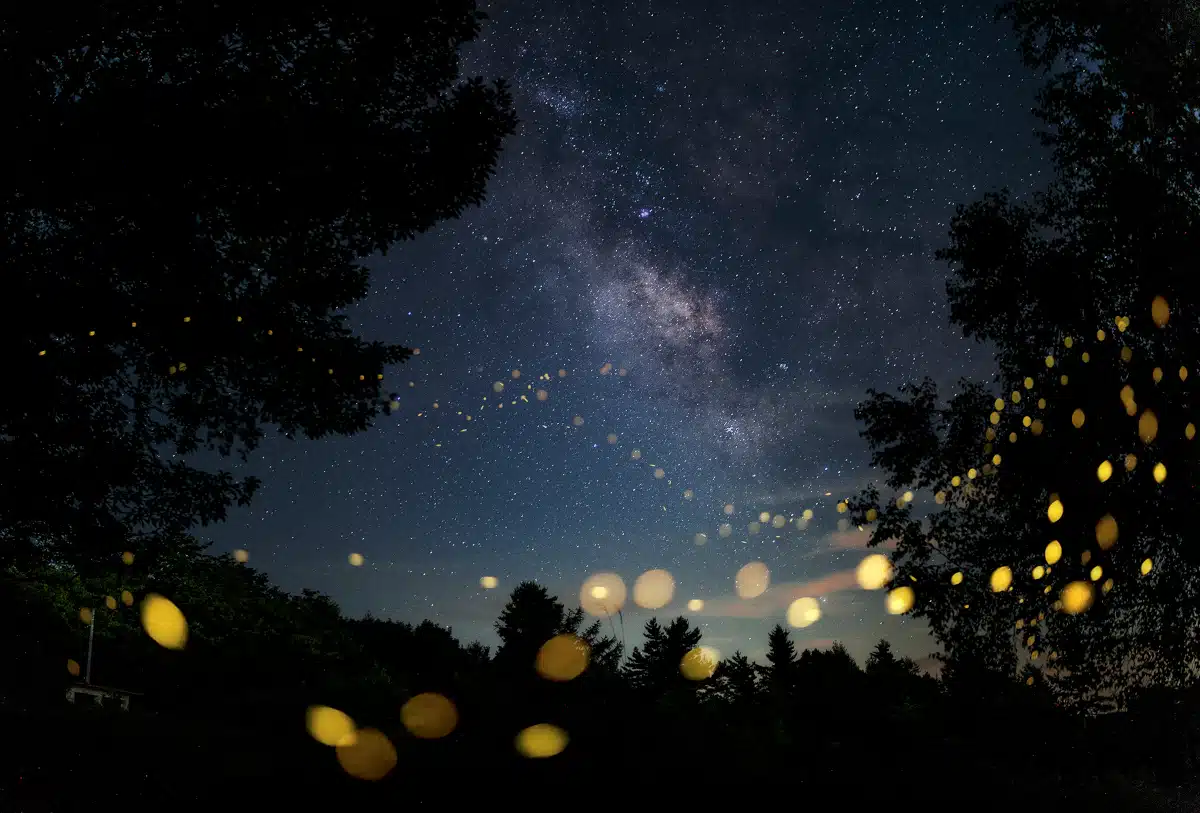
<point>737,206</point>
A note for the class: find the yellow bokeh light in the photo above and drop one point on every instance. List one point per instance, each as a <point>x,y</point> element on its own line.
<point>602,594</point>
<point>73,667</point>
<point>1096,573</point>
<point>900,600</point>
<point>636,454</point>
<point>1159,311</point>
<point>371,756</point>
<point>1126,354</point>
<point>1055,511</point>
<point>127,558</point>
<point>1085,356</point>
<point>1038,571</point>
<point>1068,341</point>
<point>1028,383</point>
<point>329,726</point>
<point>778,521</point>
<point>700,538</point>
<point>1001,579</point>
<point>972,474</point>
<point>1106,532</point>
<point>653,589</point>
<point>127,598</point>
<point>1130,462</point>
<point>489,582</point>
<point>1016,397</point>
<point>1077,418</point>
<point>163,622</point>
<point>994,417</point>
<point>1157,374</point>
<point>1099,335</point>
<point>1049,361</point>
<point>1053,552</point>
<point>541,741</point>
<point>1077,597</point>
<point>1104,471</point>
<point>804,612</point>
<point>1026,421</point>
<point>765,516</point>
<point>1189,431</point>
<point>1148,426</point>
<point>1160,472</point>
<point>612,438</point>
<point>842,507</point>
<point>873,572</point>
<point>728,509</point>
<point>429,716</point>
<point>752,580</point>
<point>725,530</point>
<point>1012,437</point>
<point>542,395</point>
<point>700,663</point>
<point>957,578</point>
<point>696,605</point>
<point>355,559</point>
<point>995,460</point>
<point>955,481</point>
<point>86,615</point>
<point>754,527</point>
<point>110,602</point>
<point>1147,566</point>
<point>577,420</point>
<point>1062,379</point>
<point>1183,373</point>
<point>998,405</point>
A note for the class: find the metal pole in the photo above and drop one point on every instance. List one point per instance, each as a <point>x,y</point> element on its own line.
<point>87,675</point>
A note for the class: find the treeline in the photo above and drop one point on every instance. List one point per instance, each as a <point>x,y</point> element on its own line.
<point>226,715</point>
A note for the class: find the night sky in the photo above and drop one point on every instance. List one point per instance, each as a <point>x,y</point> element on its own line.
<point>737,205</point>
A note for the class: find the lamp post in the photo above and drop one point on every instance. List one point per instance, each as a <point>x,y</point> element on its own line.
<point>87,674</point>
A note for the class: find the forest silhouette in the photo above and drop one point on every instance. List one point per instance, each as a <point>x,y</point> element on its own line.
<point>159,306</point>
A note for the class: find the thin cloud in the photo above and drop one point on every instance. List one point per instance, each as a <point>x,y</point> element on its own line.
<point>776,600</point>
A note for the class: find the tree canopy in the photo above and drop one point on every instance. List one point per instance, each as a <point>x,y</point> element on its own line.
<point>1059,541</point>
<point>194,191</point>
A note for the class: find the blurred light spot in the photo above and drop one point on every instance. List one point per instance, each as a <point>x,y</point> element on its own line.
<point>972,474</point>
<point>1026,421</point>
<point>1049,361</point>
<point>563,657</point>
<point>1016,397</point>
<point>1147,426</point>
<point>127,558</point>
<point>1077,597</point>
<point>1077,418</point>
<point>995,460</point>
<point>1189,431</point>
<point>695,605</point>
<point>636,454</point>
<point>1160,472</point>
<point>765,516</point>
<point>728,509</point>
<point>1104,471</point>
<point>516,374</point>
<point>659,474</point>
<point>429,716</point>
<point>1086,357</point>
<point>900,600</point>
<point>86,615</point>
<point>163,622</point>
<point>1159,311</point>
<point>127,598</point>
<point>241,555</point>
<point>1157,374</point>
<point>1062,379</point>
<point>955,481</point>
<point>1147,566</point>
<point>371,756</point>
<point>700,663</point>
<point>1028,383</point>
<point>489,582</point>
<point>998,405</point>
<point>1038,571</point>
<point>110,602</point>
<point>355,559</point>
<point>653,589</point>
<point>603,594</point>
<point>1130,462</point>
<point>1001,579</point>
<point>612,438</point>
<point>577,420</point>
<point>498,386</point>
<point>1106,532</point>
<point>940,498</point>
<point>957,578</point>
<point>842,507</point>
<point>542,395</point>
<point>541,741</point>
<point>562,373</point>
<point>1126,354</point>
<point>804,612</point>
<point>1012,437</point>
<point>700,538</point>
<point>873,572</point>
<point>994,417</point>
<point>725,530</point>
<point>688,494</point>
<point>1053,552</point>
<point>1055,511</point>
<point>752,580</point>
<point>754,528</point>
<point>1085,557</point>
<point>329,726</point>
<point>1096,573</point>
<point>1183,373</point>
<point>1099,335</point>
<point>73,667</point>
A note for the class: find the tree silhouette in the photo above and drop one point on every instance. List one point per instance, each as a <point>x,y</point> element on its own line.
<point>1060,535</point>
<point>185,229</point>
<point>781,660</point>
<point>653,669</point>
